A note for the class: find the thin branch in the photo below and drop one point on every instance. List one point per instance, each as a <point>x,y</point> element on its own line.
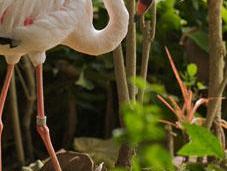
<point>170,139</point>
<point>179,112</point>
<point>30,103</point>
<point>168,123</point>
<point>125,152</point>
<point>148,29</point>
<point>131,49</point>
<point>167,104</point>
<point>122,88</point>
<point>196,106</point>
<point>16,122</point>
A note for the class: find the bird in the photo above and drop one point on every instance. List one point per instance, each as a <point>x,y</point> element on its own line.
<point>30,28</point>
<point>143,6</point>
<point>108,37</point>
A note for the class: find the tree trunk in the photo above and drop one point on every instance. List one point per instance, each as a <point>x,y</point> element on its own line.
<point>216,62</point>
<point>216,65</point>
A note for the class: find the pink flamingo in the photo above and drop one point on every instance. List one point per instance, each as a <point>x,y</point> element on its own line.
<point>32,27</point>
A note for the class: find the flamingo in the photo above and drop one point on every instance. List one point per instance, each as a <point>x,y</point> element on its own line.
<point>32,27</point>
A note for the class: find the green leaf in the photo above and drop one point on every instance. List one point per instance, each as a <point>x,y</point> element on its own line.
<point>194,167</point>
<point>212,167</point>
<point>142,122</point>
<point>195,4</point>
<point>83,82</point>
<point>224,14</point>
<point>202,143</point>
<point>157,158</point>
<point>192,69</point>
<point>170,3</point>
<point>135,164</point>
<point>118,169</point>
<point>140,83</point>
<point>201,39</point>
<point>201,86</point>
<point>158,88</point>
<point>170,20</point>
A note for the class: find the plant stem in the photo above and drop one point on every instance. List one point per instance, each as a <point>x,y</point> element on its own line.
<point>16,122</point>
<point>125,152</point>
<point>131,49</point>
<point>170,139</point>
<point>148,29</point>
<point>122,87</point>
<point>29,110</point>
<point>216,60</point>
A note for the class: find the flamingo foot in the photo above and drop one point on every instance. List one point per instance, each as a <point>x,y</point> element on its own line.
<point>42,128</point>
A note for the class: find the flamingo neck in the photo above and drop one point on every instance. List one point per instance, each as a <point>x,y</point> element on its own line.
<point>87,39</point>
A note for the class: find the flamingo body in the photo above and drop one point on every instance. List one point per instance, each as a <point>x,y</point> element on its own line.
<point>40,25</point>
<point>86,39</point>
<point>37,25</point>
<point>31,27</point>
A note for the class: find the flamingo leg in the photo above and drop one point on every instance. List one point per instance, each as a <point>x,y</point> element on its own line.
<point>10,69</point>
<point>42,128</point>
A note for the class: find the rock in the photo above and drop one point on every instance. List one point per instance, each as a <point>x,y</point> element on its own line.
<point>71,161</point>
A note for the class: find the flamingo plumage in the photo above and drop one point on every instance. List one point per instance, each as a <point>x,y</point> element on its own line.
<point>32,27</point>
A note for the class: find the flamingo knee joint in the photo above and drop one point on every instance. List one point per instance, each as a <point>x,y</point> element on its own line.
<point>41,121</point>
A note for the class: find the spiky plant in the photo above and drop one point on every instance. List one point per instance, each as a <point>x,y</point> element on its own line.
<point>185,113</point>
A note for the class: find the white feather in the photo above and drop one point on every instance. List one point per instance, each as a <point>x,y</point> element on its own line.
<point>67,22</point>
